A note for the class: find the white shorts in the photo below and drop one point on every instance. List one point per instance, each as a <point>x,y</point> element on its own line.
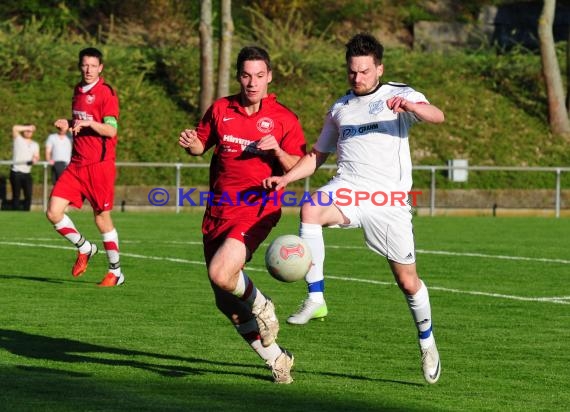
<point>385,218</point>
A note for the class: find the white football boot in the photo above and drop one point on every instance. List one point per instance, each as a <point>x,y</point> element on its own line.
<point>308,310</point>
<point>267,322</point>
<point>431,364</point>
<point>281,367</point>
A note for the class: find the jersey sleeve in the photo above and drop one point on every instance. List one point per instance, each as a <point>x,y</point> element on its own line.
<point>293,141</point>
<point>417,97</point>
<point>110,106</point>
<point>326,143</point>
<point>205,128</point>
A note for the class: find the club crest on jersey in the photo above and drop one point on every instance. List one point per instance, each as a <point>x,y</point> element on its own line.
<point>90,99</point>
<point>376,107</point>
<point>265,125</point>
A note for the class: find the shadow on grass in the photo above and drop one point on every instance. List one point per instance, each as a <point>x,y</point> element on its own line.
<point>72,351</point>
<point>32,278</point>
<point>52,387</point>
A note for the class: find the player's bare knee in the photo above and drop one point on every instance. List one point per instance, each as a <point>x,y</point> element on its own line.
<point>307,213</point>
<point>54,216</point>
<point>221,280</point>
<point>408,283</point>
<point>312,213</point>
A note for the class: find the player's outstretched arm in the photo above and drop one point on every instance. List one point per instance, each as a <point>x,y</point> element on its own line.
<point>101,128</point>
<point>305,167</point>
<point>425,111</point>
<point>286,160</point>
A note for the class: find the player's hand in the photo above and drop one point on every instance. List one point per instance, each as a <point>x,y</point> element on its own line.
<point>188,138</point>
<point>269,142</point>
<point>274,183</point>
<point>398,104</point>
<point>78,125</point>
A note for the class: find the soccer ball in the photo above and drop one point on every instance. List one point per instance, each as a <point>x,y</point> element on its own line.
<point>288,258</point>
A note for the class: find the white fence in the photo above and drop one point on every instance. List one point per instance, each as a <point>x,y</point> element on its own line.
<point>433,170</point>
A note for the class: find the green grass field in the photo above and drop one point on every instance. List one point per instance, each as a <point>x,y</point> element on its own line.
<point>499,287</point>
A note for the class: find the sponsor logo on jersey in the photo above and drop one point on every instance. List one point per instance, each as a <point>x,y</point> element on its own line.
<point>265,125</point>
<point>351,131</point>
<point>81,115</point>
<point>246,145</point>
<point>348,132</point>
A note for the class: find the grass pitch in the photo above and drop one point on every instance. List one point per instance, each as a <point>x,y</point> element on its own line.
<point>500,298</point>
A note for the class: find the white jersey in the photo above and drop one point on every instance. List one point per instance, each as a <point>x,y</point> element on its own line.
<point>371,141</point>
<point>60,147</point>
<point>23,152</point>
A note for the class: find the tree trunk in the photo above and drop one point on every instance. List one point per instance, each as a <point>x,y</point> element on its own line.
<point>206,59</point>
<point>225,52</point>
<point>568,73</point>
<point>558,117</point>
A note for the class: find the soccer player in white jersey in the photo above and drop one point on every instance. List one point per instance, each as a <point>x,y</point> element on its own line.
<point>368,129</point>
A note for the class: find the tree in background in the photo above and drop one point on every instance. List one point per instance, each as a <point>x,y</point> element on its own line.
<point>206,58</point>
<point>225,52</point>
<point>206,52</point>
<point>557,111</point>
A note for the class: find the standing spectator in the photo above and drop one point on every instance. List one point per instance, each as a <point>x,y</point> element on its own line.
<point>253,135</point>
<point>25,153</point>
<point>58,152</point>
<point>91,173</point>
<point>368,129</point>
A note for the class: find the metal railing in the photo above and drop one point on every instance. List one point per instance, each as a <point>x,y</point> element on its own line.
<point>557,171</point>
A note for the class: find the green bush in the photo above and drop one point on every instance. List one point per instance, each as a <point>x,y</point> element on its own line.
<point>494,103</point>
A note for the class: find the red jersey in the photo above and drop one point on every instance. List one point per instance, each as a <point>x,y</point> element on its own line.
<point>96,104</point>
<point>238,167</point>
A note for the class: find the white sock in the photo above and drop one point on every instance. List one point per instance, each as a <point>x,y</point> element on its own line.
<point>246,291</point>
<point>66,228</point>
<point>111,244</point>
<point>249,331</point>
<point>421,312</point>
<point>313,234</point>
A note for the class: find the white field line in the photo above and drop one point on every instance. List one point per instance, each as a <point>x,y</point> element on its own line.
<point>419,251</point>
<point>564,300</point>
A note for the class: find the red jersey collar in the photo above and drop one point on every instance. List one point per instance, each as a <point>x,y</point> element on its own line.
<point>235,103</point>
<point>79,87</point>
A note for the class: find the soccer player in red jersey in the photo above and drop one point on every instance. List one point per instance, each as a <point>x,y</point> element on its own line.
<point>252,136</point>
<point>91,173</point>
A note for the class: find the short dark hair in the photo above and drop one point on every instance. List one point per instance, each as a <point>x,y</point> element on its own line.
<point>252,53</point>
<point>91,52</point>
<point>364,44</point>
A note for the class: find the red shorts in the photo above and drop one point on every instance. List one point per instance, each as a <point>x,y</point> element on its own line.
<point>251,231</point>
<point>95,182</point>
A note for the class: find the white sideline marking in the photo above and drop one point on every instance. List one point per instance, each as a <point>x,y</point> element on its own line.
<point>483,255</point>
<point>563,300</point>
<point>133,255</point>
